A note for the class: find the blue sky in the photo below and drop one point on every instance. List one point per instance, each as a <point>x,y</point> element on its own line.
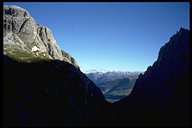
<point>111,36</point>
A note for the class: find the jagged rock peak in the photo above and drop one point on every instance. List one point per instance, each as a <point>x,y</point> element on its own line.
<point>177,41</point>
<point>24,39</point>
<point>15,11</point>
<point>162,93</point>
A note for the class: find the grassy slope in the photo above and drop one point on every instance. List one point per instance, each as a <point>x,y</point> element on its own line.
<point>24,56</point>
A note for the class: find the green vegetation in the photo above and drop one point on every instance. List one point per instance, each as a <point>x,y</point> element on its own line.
<point>117,89</point>
<point>24,56</point>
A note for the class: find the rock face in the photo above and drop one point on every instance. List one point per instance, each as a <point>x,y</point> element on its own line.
<point>49,93</point>
<point>161,95</point>
<point>21,33</point>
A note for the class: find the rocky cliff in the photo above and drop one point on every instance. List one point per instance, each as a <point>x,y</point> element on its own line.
<point>24,39</point>
<point>161,96</point>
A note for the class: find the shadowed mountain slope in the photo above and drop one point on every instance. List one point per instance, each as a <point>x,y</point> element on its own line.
<point>49,93</point>
<point>161,96</point>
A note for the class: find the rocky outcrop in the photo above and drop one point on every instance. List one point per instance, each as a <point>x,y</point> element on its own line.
<point>161,95</point>
<point>69,58</point>
<point>22,33</point>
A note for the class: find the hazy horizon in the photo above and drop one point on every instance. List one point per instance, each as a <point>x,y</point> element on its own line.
<point>117,36</point>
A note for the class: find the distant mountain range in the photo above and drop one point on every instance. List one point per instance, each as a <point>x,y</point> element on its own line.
<point>100,77</point>
<point>44,87</point>
<point>114,85</point>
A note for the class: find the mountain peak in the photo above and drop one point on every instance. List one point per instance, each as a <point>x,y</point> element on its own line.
<point>21,34</point>
<point>183,29</point>
<point>14,10</point>
<point>175,44</point>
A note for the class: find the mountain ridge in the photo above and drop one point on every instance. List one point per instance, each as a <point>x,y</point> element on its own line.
<point>161,95</point>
